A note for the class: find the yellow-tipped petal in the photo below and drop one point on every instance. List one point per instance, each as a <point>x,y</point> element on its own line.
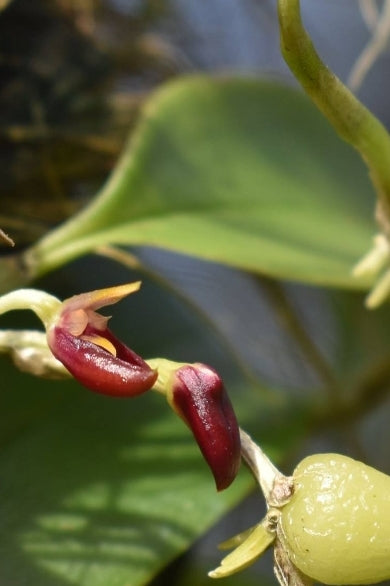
<point>245,554</point>
<point>100,297</point>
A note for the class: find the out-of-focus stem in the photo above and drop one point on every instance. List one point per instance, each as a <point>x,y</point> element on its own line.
<point>375,46</point>
<point>287,315</point>
<point>369,391</point>
<point>369,12</point>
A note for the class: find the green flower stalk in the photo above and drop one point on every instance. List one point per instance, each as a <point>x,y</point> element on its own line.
<point>350,118</point>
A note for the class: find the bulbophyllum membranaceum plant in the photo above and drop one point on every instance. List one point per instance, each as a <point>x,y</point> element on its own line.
<point>328,522</point>
<point>78,343</point>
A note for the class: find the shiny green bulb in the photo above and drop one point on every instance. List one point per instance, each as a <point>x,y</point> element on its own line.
<point>336,527</point>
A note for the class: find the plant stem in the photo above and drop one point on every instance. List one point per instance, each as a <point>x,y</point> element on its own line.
<point>276,487</point>
<point>44,305</point>
<point>349,117</point>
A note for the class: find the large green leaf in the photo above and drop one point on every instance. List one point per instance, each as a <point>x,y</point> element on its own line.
<point>98,492</point>
<point>239,171</point>
<point>102,492</point>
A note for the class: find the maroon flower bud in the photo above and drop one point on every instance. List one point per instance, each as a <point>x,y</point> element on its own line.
<point>79,338</point>
<point>198,396</point>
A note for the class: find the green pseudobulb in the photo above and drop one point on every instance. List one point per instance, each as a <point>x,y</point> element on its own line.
<point>336,527</point>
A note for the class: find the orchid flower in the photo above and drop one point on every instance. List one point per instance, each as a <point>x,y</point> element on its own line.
<point>79,338</point>
<point>79,342</point>
<point>197,394</point>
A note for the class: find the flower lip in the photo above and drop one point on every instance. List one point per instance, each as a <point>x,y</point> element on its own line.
<point>199,397</point>
<point>80,339</point>
<point>123,375</point>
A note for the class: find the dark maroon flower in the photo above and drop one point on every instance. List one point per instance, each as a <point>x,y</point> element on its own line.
<point>197,394</point>
<point>79,338</point>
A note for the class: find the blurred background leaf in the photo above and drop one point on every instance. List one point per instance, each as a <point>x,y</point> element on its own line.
<point>75,78</point>
<point>238,171</point>
<point>97,491</point>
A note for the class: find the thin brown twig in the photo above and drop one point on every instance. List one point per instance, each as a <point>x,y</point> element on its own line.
<point>6,238</point>
<point>40,133</point>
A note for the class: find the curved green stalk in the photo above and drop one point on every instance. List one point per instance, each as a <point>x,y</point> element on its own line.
<point>353,121</point>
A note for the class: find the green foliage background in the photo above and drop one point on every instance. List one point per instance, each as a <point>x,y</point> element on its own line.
<point>238,171</point>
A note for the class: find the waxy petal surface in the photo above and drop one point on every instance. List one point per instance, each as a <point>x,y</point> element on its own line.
<point>123,375</point>
<point>199,397</point>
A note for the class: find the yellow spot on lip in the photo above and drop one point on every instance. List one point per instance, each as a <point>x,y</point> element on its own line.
<point>102,342</point>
